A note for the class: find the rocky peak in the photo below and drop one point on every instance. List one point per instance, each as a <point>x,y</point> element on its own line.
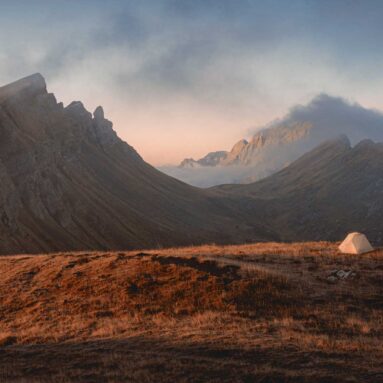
<point>211,159</point>
<point>259,139</point>
<point>281,134</point>
<point>77,107</point>
<point>326,151</point>
<point>103,128</point>
<point>33,84</point>
<point>239,146</point>
<point>189,163</point>
<point>233,157</point>
<point>365,144</point>
<point>98,114</point>
<point>339,143</point>
<point>344,141</point>
<point>100,120</point>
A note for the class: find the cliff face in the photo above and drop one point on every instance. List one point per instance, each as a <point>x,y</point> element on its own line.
<point>68,182</point>
<point>265,145</point>
<point>256,151</point>
<point>267,152</point>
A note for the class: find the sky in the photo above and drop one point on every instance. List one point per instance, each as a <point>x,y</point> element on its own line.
<point>180,78</point>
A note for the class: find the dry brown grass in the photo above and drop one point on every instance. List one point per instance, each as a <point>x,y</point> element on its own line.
<point>261,312</point>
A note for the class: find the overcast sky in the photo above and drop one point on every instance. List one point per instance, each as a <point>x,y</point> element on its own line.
<point>180,78</point>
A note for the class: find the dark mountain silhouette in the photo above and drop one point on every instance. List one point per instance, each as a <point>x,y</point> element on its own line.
<point>68,182</point>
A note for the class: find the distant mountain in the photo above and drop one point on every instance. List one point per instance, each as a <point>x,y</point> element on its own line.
<point>211,159</point>
<point>330,191</point>
<point>67,182</point>
<point>283,141</point>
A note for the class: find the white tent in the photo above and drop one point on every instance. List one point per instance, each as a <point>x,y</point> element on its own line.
<point>355,243</point>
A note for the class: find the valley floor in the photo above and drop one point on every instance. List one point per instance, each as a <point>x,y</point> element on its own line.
<point>251,313</point>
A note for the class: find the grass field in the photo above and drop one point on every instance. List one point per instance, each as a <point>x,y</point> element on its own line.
<point>251,313</point>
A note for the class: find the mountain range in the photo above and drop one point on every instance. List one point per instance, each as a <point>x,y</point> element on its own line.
<point>282,142</point>
<point>67,182</point>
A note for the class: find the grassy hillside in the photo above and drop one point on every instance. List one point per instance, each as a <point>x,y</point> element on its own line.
<point>330,191</point>
<point>264,312</point>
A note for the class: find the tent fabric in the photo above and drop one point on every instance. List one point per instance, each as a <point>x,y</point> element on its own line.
<point>355,243</point>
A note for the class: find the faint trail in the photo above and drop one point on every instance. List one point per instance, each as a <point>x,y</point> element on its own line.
<point>250,266</point>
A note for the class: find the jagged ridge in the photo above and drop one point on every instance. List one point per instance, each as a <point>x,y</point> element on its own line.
<point>68,183</point>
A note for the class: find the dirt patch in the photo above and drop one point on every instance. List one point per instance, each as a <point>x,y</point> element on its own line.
<point>210,267</point>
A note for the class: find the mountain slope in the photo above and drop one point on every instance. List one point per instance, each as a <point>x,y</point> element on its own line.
<point>328,192</point>
<point>68,182</point>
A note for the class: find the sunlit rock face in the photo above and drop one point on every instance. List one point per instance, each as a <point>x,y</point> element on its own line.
<point>211,159</point>
<point>283,141</point>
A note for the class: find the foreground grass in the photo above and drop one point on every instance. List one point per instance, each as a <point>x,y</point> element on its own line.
<point>263,312</point>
